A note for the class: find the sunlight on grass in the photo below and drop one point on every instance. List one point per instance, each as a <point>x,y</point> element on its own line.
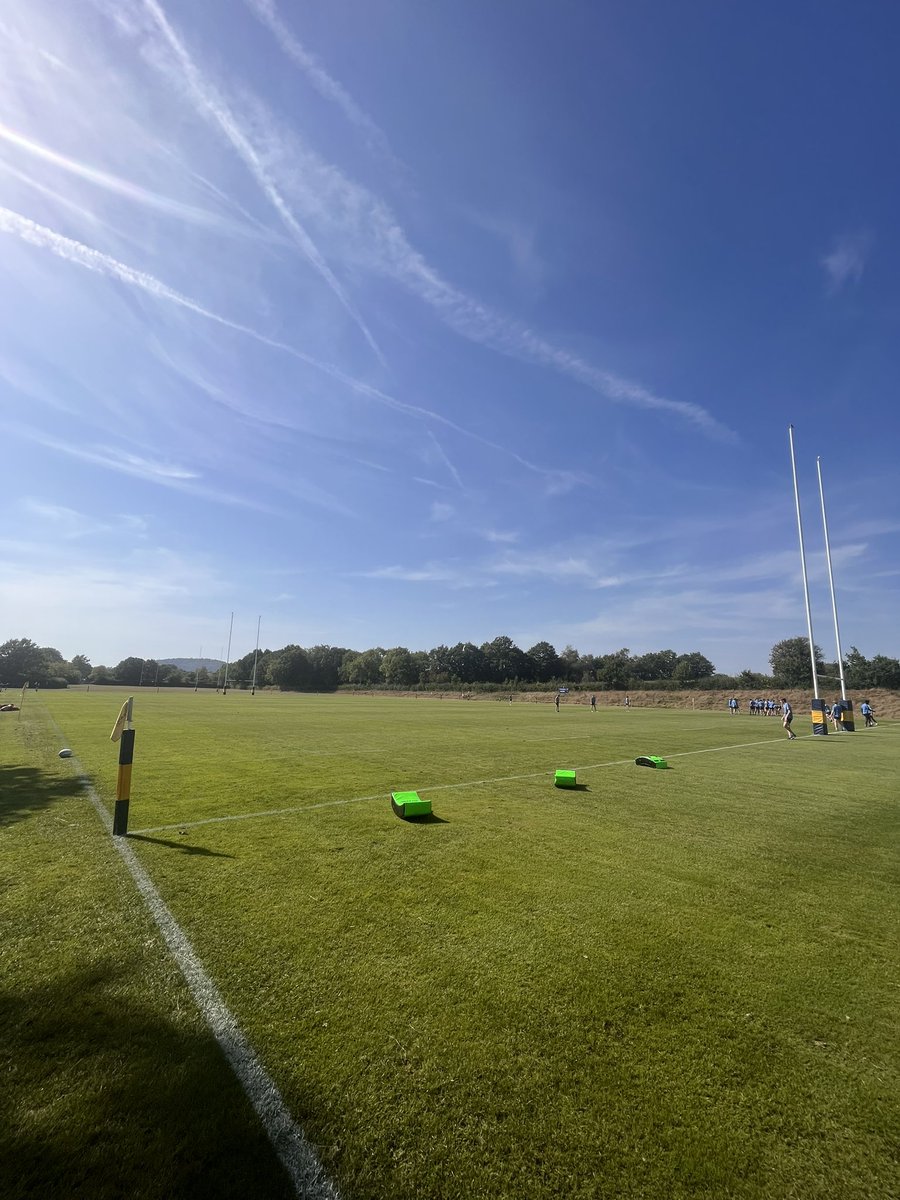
<point>675,983</point>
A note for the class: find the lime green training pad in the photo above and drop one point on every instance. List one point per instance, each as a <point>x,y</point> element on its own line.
<point>651,760</point>
<point>564,779</point>
<point>409,804</point>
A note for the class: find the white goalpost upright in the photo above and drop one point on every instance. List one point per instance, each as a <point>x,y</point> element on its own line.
<point>837,632</point>
<point>255,656</point>
<point>812,647</point>
<point>846,719</point>
<point>818,706</point>
<point>227,657</point>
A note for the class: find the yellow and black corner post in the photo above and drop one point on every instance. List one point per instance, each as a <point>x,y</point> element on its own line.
<point>123,733</point>
<point>819,723</point>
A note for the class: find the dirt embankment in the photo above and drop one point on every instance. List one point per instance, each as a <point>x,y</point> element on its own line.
<point>884,703</point>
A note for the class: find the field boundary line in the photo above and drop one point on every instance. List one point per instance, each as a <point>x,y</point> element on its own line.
<point>296,1154</point>
<point>736,746</point>
<point>437,787</point>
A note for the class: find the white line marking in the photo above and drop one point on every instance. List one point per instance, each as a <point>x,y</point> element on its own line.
<point>267,812</point>
<point>738,746</point>
<point>296,1153</point>
<point>437,787</point>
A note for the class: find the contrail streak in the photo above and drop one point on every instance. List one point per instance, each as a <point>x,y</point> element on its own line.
<point>325,84</point>
<point>103,264</point>
<point>446,461</point>
<point>122,187</point>
<point>210,105</point>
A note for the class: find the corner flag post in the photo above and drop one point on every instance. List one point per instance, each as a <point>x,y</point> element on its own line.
<point>123,733</point>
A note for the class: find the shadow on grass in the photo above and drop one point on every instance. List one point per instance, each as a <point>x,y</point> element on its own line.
<point>25,791</point>
<point>185,849</point>
<point>104,1097</point>
<point>426,819</point>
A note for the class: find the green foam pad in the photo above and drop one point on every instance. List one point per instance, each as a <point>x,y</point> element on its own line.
<point>564,779</point>
<point>651,760</point>
<point>409,804</point>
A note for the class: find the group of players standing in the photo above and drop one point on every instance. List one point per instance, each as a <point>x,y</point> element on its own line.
<point>771,708</point>
<point>764,708</point>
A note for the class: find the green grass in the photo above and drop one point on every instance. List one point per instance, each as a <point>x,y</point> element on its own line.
<point>111,1084</point>
<point>668,984</point>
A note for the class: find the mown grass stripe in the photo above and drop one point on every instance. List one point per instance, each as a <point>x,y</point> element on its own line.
<point>437,787</point>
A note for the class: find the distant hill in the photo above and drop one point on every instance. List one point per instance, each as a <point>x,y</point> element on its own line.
<point>193,664</point>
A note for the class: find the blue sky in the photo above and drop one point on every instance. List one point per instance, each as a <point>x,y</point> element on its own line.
<point>405,324</point>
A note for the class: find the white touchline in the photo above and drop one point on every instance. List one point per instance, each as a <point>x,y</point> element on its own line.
<point>437,787</point>
<point>297,1155</point>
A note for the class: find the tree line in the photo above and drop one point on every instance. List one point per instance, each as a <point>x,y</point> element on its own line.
<point>465,666</point>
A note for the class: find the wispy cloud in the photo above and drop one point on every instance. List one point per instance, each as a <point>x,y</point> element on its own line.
<point>95,260</point>
<point>172,475</point>
<point>520,242</point>
<point>103,264</point>
<point>211,106</point>
<point>552,564</point>
<point>442,455</point>
<point>441,511</point>
<point>641,607</point>
<point>845,262</point>
<point>479,323</point>
<point>363,229</point>
<point>318,77</point>
<point>120,460</point>
<point>26,382</point>
<point>539,566</point>
<point>369,234</point>
<point>124,462</point>
<point>124,187</point>
<point>549,564</point>
<point>603,565</point>
<point>446,573</point>
<point>69,523</point>
<point>30,52</point>
<point>504,537</point>
<point>59,200</point>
